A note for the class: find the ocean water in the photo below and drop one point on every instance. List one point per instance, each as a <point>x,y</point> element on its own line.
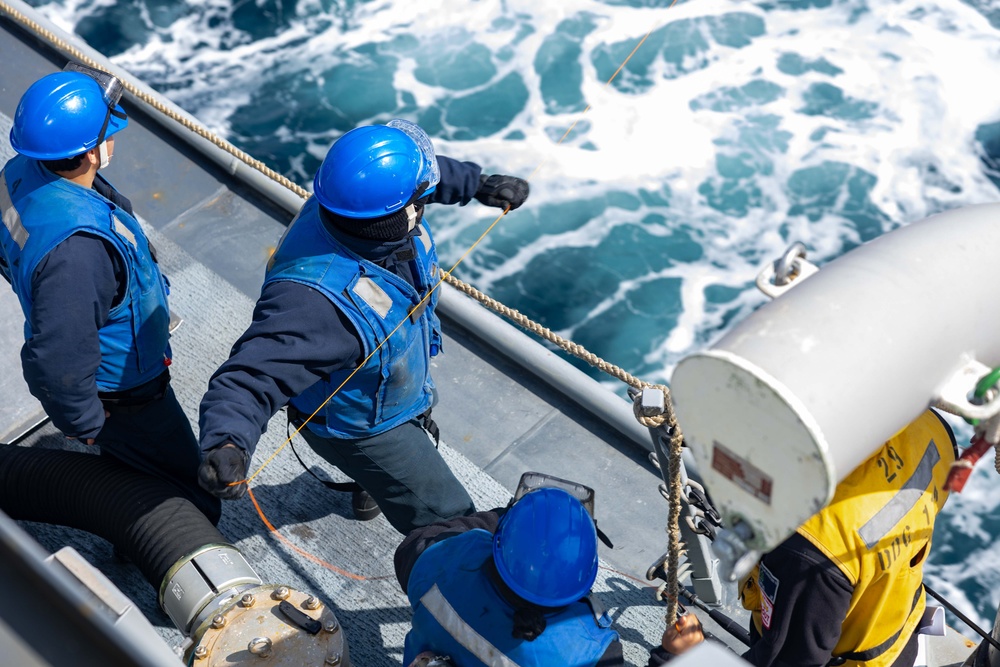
<point>735,129</point>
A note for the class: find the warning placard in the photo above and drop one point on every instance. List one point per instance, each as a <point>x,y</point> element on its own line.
<point>746,475</point>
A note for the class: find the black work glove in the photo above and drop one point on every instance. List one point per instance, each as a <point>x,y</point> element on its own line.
<point>501,191</point>
<point>221,467</point>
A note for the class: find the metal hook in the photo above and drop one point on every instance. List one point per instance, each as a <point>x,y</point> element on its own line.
<point>787,267</point>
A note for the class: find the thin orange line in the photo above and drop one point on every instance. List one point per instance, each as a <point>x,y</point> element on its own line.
<point>305,554</point>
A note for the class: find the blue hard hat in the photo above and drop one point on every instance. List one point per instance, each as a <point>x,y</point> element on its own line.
<point>375,170</point>
<point>61,115</point>
<point>545,548</point>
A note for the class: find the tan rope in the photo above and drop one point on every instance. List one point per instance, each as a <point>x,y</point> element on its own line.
<point>674,512</point>
<point>526,323</point>
<point>666,418</point>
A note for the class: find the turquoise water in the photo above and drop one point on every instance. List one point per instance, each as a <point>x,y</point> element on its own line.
<point>735,129</point>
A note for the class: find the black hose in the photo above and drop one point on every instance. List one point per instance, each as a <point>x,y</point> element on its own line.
<point>146,518</point>
<point>726,623</point>
<point>968,621</point>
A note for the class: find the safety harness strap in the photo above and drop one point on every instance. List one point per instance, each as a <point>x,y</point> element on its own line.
<point>297,417</point>
<point>343,487</point>
<point>876,651</point>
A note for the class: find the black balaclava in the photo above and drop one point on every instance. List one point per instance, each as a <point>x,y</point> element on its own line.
<point>392,227</point>
<point>386,241</point>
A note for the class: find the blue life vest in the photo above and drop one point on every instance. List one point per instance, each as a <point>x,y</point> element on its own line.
<point>41,210</point>
<point>458,612</point>
<point>395,384</point>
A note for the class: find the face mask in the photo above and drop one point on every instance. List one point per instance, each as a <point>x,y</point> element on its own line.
<point>102,151</point>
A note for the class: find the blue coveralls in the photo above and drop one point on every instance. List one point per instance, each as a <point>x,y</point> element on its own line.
<point>87,282</point>
<point>385,450</point>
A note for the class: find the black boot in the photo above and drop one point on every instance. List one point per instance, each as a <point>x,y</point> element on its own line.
<point>364,506</point>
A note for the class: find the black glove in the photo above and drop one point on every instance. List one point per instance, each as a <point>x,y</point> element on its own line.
<point>220,468</point>
<point>501,191</point>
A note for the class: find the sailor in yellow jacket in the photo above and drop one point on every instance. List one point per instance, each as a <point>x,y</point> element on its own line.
<point>846,588</point>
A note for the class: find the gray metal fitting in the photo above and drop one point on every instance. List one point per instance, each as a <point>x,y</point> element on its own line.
<point>205,577</point>
<point>787,267</point>
<point>200,652</point>
<point>735,557</point>
<point>331,625</point>
<point>218,621</point>
<point>248,600</point>
<point>312,602</point>
<point>281,593</point>
<point>332,659</point>
<point>653,402</point>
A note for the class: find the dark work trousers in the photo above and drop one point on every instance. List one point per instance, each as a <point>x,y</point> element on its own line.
<point>403,471</point>
<point>156,438</point>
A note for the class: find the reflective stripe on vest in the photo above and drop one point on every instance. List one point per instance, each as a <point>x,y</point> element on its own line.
<point>904,500</point>
<point>11,218</point>
<point>474,642</point>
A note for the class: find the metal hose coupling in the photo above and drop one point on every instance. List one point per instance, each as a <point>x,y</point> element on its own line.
<point>214,597</point>
<point>736,559</point>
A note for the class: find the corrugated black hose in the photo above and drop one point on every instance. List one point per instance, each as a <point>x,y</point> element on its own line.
<point>146,518</point>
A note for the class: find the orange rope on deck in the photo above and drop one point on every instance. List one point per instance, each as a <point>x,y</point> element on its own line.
<point>305,554</point>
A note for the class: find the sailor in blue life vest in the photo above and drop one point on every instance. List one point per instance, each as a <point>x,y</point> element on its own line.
<point>346,292</point>
<point>508,587</point>
<point>847,587</point>
<point>96,334</point>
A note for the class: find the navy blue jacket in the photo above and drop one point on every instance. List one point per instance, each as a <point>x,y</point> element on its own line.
<point>74,288</point>
<point>264,371</point>
<point>816,595</point>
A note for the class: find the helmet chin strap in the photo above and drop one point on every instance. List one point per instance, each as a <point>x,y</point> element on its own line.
<point>102,151</point>
<point>411,217</point>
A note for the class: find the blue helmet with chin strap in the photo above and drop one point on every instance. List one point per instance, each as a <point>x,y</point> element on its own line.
<point>373,171</point>
<point>545,548</point>
<point>64,114</point>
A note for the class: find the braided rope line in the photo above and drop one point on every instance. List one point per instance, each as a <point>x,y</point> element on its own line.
<point>667,417</point>
<point>569,346</point>
<point>674,511</point>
